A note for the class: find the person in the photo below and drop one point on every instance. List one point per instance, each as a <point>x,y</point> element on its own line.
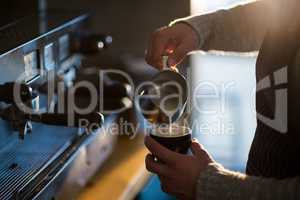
<point>273,166</point>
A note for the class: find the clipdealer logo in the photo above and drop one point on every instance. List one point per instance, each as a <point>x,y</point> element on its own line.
<point>279,122</point>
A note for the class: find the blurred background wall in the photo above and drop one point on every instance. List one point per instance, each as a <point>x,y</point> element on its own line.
<point>15,9</point>
<point>130,23</point>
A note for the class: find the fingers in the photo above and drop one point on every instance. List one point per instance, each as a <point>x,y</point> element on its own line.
<point>165,155</point>
<point>196,147</point>
<point>178,55</point>
<point>167,185</point>
<point>199,151</point>
<point>157,51</point>
<point>156,167</point>
<point>164,179</point>
<point>171,46</point>
<point>175,41</point>
<point>161,43</point>
<point>157,47</point>
<point>181,197</point>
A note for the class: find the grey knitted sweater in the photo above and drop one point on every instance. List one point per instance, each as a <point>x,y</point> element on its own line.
<point>244,28</point>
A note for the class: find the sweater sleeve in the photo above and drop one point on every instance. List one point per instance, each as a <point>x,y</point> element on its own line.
<point>241,28</point>
<point>218,183</point>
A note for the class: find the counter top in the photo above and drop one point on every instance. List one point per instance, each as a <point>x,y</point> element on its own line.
<point>123,175</point>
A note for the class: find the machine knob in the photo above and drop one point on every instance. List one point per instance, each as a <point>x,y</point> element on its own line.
<point>8,94</point>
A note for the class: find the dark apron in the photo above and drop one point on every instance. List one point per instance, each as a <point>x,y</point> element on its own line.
<point>273,153</point>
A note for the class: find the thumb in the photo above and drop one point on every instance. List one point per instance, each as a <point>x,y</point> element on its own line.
<point>199,151</point>
<point>197,148</point>
<point>178,55</point>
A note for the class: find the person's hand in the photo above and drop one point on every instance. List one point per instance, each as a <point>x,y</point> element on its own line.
<point>175,41</point>
<point>178,173</point>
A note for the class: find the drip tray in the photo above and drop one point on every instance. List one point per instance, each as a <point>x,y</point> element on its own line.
<point>21,161</point>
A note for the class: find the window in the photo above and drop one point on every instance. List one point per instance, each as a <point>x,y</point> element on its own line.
<point>223,105</point>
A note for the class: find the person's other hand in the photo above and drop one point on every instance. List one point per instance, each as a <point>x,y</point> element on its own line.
<point>178,173</point>
<point>175,41</point>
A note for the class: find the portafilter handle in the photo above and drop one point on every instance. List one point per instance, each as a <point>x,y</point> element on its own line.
<point>95,119</point>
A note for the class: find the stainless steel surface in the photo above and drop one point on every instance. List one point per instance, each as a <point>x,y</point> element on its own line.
<point>165,98</point>
<point>22,161</point>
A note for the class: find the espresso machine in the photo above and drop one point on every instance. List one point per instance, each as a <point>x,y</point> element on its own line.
<point>44,154</point>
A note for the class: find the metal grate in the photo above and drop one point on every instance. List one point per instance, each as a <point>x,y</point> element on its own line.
<point>20,161</point>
